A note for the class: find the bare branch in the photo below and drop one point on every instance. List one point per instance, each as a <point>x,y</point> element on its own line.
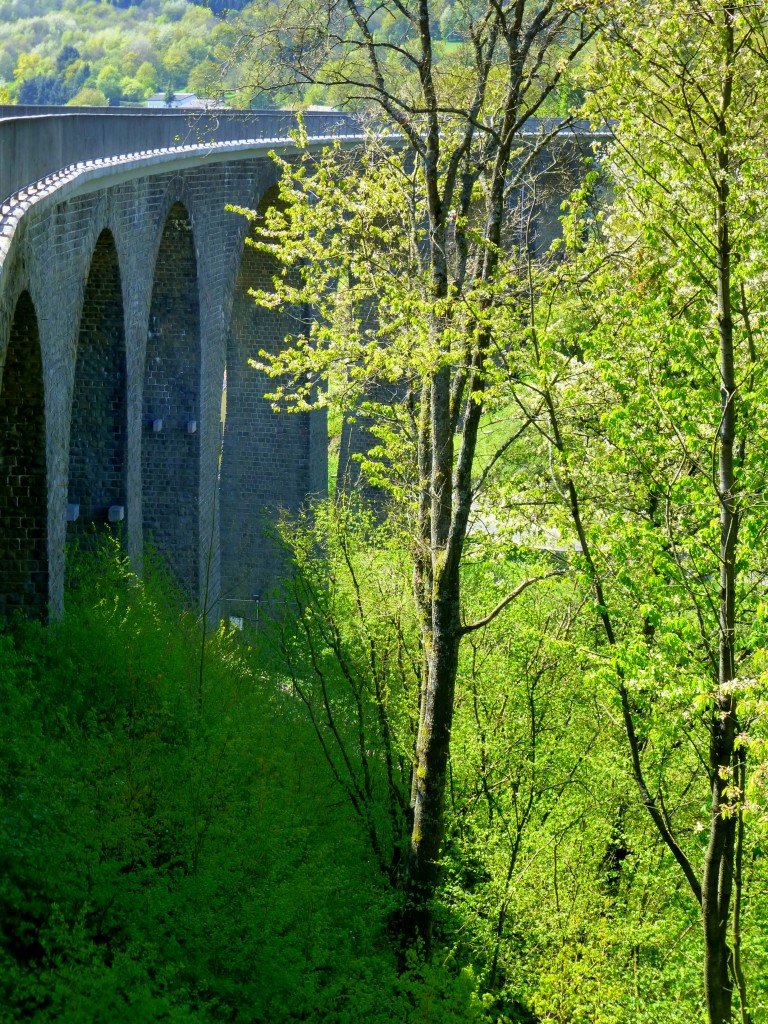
<point>508,600</point>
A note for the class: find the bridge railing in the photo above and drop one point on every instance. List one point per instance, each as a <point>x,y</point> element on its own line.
<point>38,141</point>
<point>101,172</point>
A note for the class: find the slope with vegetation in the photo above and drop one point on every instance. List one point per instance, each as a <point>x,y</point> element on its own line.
<point>173,846</point>
<point>632,357</point>
<point>503,756</point>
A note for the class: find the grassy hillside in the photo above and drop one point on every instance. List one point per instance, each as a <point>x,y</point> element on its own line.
<point>202,834</point>
<point>173,845</point>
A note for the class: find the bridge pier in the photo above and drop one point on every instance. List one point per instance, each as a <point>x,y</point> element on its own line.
<point>98,427</point>
<point>271,461</point>
<point>170,464</point>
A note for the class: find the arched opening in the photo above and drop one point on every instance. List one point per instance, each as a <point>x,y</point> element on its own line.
<point>23,492</point>
<point>97,486</point>
<point>270,461</point>
<point>170,459</point>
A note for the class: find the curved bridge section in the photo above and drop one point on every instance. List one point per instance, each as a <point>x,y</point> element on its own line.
<point>125,333</point>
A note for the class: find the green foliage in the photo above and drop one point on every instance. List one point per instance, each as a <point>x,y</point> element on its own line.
<point>642,352</point>
<point>557,894</point>
<point>298,52</point>
<point>608,459</point>
<point>89,96</point>
<point>51,52</point>
<point>234,850</point>
<point>352,655</point>
<point>166,858</point>
<point>169,859</point>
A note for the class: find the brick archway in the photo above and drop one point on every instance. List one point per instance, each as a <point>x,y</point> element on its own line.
<point>23,491</point>
<point>98,425</point>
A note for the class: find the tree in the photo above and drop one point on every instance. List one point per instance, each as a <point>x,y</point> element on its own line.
<point>88,96</point>
<point>67,55</point>
<point>415,240</point>
<point>350,650</point>
<point>43,89</point>
<point>659,454</point>
<point>109,81</point>
<point>178,62</point>
<point>146,75</point>
<point>131,90</point>
<point>31,65</point>
<point>201,78</point>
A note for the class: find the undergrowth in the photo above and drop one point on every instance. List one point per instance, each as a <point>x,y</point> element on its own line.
<point>177,853</point>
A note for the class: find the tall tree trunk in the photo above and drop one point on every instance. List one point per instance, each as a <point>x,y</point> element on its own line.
<point>450,504</point>
<point>717,881</point>
<point>432,759</point>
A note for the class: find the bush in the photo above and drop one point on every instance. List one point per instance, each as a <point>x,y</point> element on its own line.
<point>88,96</point>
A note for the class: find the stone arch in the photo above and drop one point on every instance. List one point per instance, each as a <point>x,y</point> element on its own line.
<point>270,461</point>
<point>97,449</point>
<point>170,463</point>
<point>23,491</point>
<point>174,197</point>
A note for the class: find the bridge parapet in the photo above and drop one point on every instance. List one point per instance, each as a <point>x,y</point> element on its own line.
<point>38,141</point>
<point>102,172</point>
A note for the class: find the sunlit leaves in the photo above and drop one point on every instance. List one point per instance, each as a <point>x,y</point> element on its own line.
<point>350,237</point>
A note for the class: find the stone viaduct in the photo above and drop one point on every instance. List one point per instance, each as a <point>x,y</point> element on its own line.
<point>125,328</point>
<point>126,397</point>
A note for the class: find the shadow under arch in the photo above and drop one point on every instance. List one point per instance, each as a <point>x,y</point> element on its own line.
<point>170,449</point>
<point>97,448</point>
<point>23,485</point>
<point>270,461</point>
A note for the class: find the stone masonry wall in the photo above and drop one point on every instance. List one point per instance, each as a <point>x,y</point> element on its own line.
<point>270,461</point>
<point>170,439</point>
<point>115,279</point>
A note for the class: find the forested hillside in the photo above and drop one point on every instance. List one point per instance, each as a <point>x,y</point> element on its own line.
<point>93,54</point>
<point>98,53</point>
